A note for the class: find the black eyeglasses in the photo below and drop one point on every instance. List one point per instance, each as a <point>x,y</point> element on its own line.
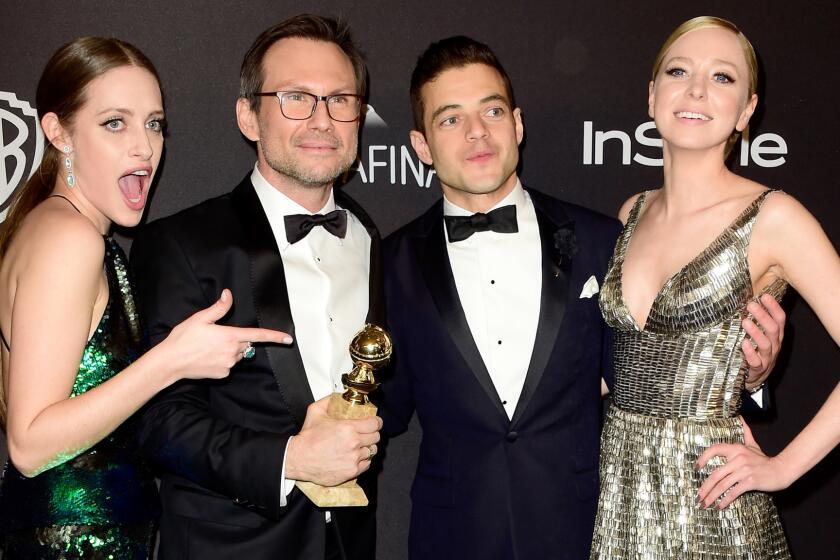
<point>300,105</point>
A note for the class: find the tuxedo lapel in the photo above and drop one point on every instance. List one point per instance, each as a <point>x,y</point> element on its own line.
<point>437,273</point>
<point>556,269</point>
<point>376,296</point>
<point>271,299</point>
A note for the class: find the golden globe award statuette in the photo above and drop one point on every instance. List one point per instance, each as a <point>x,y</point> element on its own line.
<point>370,349</point>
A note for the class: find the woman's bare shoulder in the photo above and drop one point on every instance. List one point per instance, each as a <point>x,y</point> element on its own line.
<point>55,235</point>
<point>627,206</point>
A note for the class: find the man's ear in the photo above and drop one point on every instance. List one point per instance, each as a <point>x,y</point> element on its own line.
<point>517,122</point>
<point>418,142</point>
<point>56,134</point>
<point>246,118</point>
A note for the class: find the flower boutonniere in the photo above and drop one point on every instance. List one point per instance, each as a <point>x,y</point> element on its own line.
<point>565,247</point>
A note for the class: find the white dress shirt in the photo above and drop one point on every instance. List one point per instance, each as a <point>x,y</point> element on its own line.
<point>327,280</point>
<point>499,282</point>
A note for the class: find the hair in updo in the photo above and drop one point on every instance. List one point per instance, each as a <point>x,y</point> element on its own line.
<point>704,22</point>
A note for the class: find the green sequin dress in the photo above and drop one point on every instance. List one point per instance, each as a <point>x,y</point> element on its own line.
<point>678,384</point>
<point>100,504</point>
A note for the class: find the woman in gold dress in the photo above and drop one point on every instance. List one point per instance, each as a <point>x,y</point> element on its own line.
<point>678,466</point>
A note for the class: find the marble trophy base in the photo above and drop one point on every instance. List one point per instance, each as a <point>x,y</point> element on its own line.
<point>347,494</point>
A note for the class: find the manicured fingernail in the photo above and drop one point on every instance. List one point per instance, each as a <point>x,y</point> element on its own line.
<point>287,340</point>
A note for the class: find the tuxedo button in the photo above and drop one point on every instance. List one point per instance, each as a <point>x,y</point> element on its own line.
<point>511,437</point>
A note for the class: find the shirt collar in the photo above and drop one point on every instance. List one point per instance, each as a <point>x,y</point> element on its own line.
<point>277,206</point>
<point>516,197</point>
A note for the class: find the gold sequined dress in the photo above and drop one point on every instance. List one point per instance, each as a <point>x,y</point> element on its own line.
<point>678,384</point>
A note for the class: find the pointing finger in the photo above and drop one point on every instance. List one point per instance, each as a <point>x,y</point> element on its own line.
<point>253,334</point>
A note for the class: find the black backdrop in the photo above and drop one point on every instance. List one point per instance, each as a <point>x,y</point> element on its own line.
<point>580,71</point>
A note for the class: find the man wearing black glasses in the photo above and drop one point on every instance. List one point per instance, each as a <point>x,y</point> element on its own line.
<point>299,257</point>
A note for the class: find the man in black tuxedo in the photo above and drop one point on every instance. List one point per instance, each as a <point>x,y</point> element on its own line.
<point>301,257</point>
<point>499,341</point>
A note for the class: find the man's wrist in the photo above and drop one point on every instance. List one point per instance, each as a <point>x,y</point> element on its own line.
<point>757,388</point>
<point>289,471</point>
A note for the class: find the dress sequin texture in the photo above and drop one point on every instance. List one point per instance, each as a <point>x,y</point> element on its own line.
<point>100,503</point>
<point>677,391</point>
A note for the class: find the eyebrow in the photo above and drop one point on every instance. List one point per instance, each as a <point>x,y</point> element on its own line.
<point>443,109</point>
<point>685,59</point>
<point>128,112</point>
<point>492,97</point>
<point>121,110</point>
<point>495,97</point>
<point>297,86</point>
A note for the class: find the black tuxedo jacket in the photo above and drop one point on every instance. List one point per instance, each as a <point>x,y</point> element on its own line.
<point>220,443</point>
<point>488,487</point>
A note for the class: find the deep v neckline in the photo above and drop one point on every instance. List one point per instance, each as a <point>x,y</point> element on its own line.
<point>634,220</point>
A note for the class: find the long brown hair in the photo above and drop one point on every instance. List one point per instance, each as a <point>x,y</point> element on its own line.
<point>62,90</point>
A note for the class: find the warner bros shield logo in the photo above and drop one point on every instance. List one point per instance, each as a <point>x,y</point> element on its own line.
<point>21,146</point>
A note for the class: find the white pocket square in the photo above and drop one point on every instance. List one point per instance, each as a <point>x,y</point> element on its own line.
<point>590,288</point>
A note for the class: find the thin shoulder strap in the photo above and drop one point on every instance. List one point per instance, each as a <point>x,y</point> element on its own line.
<point>632,219</point>
<point>3,340</point>
<point>749,215</point>
<point>67,199</point>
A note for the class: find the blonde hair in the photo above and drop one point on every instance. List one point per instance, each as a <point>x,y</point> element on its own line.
<point>705,22</point>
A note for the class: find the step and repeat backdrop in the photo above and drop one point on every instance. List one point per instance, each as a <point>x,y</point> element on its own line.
<point>580,71</point>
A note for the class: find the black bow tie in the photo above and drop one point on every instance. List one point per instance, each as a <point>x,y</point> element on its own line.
<point>298,226</point>
<point>500,220</point>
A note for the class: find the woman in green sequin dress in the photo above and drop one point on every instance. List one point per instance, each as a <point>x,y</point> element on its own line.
<point>73,375</point>
<point>681,476</point>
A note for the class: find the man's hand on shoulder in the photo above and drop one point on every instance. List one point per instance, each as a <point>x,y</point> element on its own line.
<point>329,451</point>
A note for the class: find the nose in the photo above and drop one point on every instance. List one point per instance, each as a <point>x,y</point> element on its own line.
<point>320,119</point>
<point>697,86</point>
<point>476,129</point>
<point>141,145</point>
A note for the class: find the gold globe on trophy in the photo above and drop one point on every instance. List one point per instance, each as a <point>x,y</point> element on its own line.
<point>370,350</point>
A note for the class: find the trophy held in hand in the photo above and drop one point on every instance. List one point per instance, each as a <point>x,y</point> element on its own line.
<point>370,350</point>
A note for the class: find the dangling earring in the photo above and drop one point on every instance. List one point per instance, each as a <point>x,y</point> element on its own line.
<point>68,166</point>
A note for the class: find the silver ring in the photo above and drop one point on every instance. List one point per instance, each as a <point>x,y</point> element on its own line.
<point>249,352</point>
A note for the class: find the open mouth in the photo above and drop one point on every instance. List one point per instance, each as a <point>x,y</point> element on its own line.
<point>692,116</point>
<point>134,186</point>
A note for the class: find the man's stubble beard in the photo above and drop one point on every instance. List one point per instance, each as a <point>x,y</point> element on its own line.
<point>286,164</point>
